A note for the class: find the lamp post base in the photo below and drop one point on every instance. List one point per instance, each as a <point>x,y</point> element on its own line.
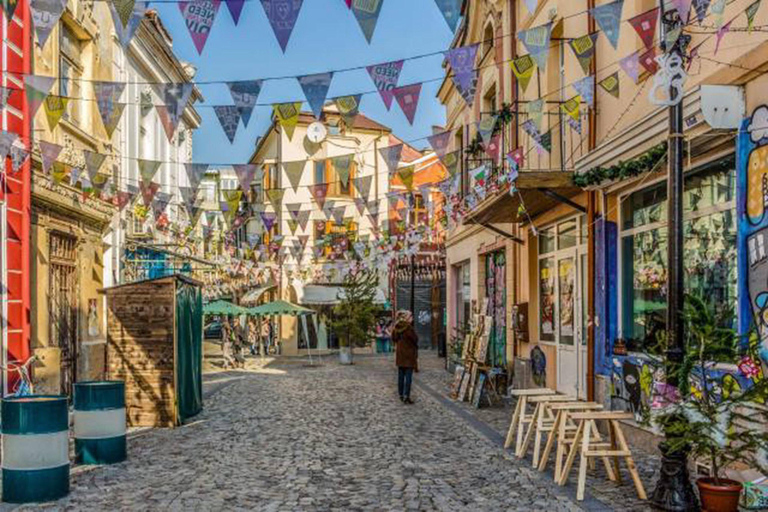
<point>674,491</point>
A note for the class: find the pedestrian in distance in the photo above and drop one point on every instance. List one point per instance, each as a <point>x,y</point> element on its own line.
<point>406,353</point>
<point>226,344</point>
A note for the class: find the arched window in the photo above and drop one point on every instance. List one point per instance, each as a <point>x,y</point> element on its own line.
<point>488,38</point>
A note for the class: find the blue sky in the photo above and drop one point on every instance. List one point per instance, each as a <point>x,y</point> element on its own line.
<point>326,37</point>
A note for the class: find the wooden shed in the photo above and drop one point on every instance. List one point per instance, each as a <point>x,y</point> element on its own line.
<point>155,345</point>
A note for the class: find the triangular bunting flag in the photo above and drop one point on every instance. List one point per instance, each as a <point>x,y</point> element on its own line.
<point>287,115</point>
<point>107,95</point>
<point>175,98</point>
<point>648,61</point>
<point>229,119</point>
<point>235,9</point>
<point>406,176</point>
<point>37,88</point>
<point>245,94</point>
<point>385,77</point>
<point>147,170</point>
<point>199,16</point>
<point>126,16</point>
<point>268,218</point>
<point>363,185</point>
<point>45,16</point>
<point>7,139</point>
<point>319,192</point>
<point>536,41</point>
<point>55,107</point>
<point>610,84</point>
<point>275,197</point>
<point>751,12</point>
<point>584,49</point>
<point>160,204</point>
<point>49,152</point>
<point>407,97</point>
<point>93,162</point>
<point>586,89</point>
<point>342,166</point>
<point>391,156</point>
<point>631,66</point>
<point>294,171</point>
<point>535,110</point>
<point>122,199</point>
<point>19,155</point>
<point>608,18</point>
<point>303,219</point>
<point>701,7</point>
<point>486,125</point>
<point>721,34</point>
<point>360,205</point>
<point>645,26</point>
<point>493,147</point>
<point>189,200</point>
<point>367,14</point>
<point>463,72</point>
<point>292,225</point>
<point>282,16</point>
<point>315,89</point>
<point>245,175</point>
<point>440,142</point>
<point>148,192</point>
<point>5,93</point>
<point>195,174</point>
<point>683,8</point>
<point>348,107</point>
<point>293,209</point>
<point>523,68</point>
<point>718,10</point>
<point>451,11</point>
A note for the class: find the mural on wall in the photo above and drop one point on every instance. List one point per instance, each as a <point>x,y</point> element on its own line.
<point>752,211</point>
<point>538,366</point>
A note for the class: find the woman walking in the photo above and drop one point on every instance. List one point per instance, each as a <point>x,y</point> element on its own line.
<point>406,353</point>
<point>226,344</point>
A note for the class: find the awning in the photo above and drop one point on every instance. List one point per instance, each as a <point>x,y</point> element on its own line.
<point>278,308</point>
<point>255,294</point>
<point>329,295</point>
<point>223,307</point>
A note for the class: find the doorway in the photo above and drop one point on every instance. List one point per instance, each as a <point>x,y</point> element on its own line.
<point>63,305</point>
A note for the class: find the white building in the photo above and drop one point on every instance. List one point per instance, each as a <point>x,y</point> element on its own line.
<point>147,62</point>
<point>305,280</point>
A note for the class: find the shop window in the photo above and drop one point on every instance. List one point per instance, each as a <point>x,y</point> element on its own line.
<point>463,296</point>
<point>71,73</point>
<point>709,252</point>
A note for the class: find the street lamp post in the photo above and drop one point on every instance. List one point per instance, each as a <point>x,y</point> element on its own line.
<point>674,491</point>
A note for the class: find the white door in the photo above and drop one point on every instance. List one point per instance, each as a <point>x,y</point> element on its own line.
<point>568,358</point>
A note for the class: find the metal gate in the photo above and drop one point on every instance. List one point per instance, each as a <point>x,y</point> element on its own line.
<point>63,305</point>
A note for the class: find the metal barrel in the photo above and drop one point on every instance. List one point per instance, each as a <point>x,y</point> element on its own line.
<point>99,422</point>
<point>35,440</point>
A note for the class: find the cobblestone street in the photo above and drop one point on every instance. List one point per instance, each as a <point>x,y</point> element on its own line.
<point>294,437</point>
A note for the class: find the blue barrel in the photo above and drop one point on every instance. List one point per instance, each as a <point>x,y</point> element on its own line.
<point>99,422</point>
<point>35,448</point>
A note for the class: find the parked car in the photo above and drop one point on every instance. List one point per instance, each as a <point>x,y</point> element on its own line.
<point>212,330</point>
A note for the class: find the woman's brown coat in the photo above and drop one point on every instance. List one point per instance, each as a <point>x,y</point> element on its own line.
<point>406,347</point>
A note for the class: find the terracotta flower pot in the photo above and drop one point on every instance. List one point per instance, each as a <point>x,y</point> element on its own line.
<point>719,498</point>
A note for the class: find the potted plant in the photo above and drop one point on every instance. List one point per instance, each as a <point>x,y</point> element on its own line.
<point>716,419</point>
<point>354,317</point>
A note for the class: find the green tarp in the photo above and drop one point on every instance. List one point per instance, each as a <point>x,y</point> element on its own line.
<point>280,307</point>
<point>189,350</point>
<point>223,307</point>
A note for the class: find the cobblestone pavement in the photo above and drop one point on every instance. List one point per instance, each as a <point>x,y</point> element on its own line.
<point>292,437</point>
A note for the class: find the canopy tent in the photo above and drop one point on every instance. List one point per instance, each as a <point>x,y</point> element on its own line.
<point>223,307</point>
<point>280,307</point>
<point>329,295</point>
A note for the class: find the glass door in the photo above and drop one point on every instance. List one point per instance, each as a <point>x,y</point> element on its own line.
<point>567,353</point>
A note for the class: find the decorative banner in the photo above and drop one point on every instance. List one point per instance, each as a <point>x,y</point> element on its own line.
<point>293,210</point>
<point>54,107</point>
<point>268,218</point>
<point>385,77</point>
<point>360,204</point>
<point>303,219</point>
<point>342,165</point>
<point>486,125</point>
<point>292,225</point>
<point>751,11</point>
<point>287,115</point>
<point>310,147</point>
<point>7,139</point>
<point>531,5</point>
<point>315,88</point>
<point>199,16</point>
<point>546,141</point>
<point>229,118</point>
<point>586,89</point>
<point>367,14</point>
<point>9,7</point>
<point>536,41</point>
<point>107,95</point>
<point>147,170</point>
<point>608,18</point>
<point>195,174</point>
<point>451,11</point>
<point>584,49</point>
<point>319,192</point>
<point>363,185</point>
<point>294,171</point>
<point>245,94</point>
<point>235,9</point>
<point>282,16</point>
<point>648,61</point>
<point>493,147</point>
<point>338,214</point>
<point>523,68</point>
<point>440,142</point>
<point>645,26</point>
<point>631,66</point>
<point>683,8</point>
<point>720,34</point>
<point>122,199</point>
<point>49,152</point>
<point>160,204</point>
<point>232,198</point>
<point>19,155</point>
<point>245,175</point>
<point>189,199</point>
<point>37,88</point>
<point>391,156</point>
<point>610,84</point>
<point>718,9</point>
<point>275,197</point>
<point>348,107</point>
<point>126,15</point>
<point>530,128</point>
<point>406,176</point>
<point>175,98</point>
<point>5,93</point>
<point>74,176</point>
<point>701,7</point>
<point>45,16</point>
<point>148,192</point>
<point>407,97</point>
<point>462,62</point>
<point>516,159</point>
<point>535,110</point>
<point>93,162</point>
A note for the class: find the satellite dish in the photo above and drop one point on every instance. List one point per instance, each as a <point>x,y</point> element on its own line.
<point>316,132</point>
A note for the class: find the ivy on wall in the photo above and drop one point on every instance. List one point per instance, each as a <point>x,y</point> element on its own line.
<point>622,170</point>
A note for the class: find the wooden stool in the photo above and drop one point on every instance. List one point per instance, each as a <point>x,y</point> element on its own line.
<point>562,426</point>
<point>587,423</point>
<point>540,421</point>
<point>519,416</point>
